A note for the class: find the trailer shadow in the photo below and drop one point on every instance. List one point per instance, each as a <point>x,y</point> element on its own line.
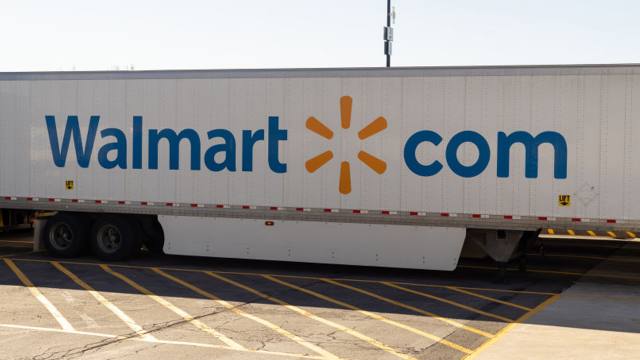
<point>472,295</point>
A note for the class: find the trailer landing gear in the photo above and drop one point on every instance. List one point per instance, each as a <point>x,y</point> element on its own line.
<point>504,246</point>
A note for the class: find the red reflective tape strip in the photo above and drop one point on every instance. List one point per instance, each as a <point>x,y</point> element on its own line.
<point>98,201</point>
<point>274,208</point>
<point>445,214</point>
<point>508,217</point>
<point>413,213</point>
<point>246,207</point>
<point>29,199</point>
<point>7,197</point>
<point>576,219</point>
<point>299,209</point>
<point>74,200</point>
<point>611,221</point>
<point>356,211</point>
<point>542,218</point>
<point>385,212</point>
<point>219,206</point>
<point>194,205</point>
<point>169,204</point>
<point>327,210</point>
<point>121,202</point>
<point>476,216</point>
<point>144,203</point>
<point>52,199</point>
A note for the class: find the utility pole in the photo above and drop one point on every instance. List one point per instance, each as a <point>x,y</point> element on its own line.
<point>388,35</point>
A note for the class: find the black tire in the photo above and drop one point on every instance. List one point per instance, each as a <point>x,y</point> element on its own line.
<point>115,238</point>
<point>65,235</point>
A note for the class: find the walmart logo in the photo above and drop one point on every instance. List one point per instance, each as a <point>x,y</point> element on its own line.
<point>224,150</point>
<point>321,129</point>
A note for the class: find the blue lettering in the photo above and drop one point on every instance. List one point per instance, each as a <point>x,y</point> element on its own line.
<point>276,135</point>
<point>174,147</point>
<point>137,142</point>
<point>119,146</point>
<point>72,128</point>
<point>410,153</point>
<point>222,153</point>
<point>483,154</point>
<point>531,145</point>
<point>248,140</point>
<point>228,147</point>
<point>505,142</point>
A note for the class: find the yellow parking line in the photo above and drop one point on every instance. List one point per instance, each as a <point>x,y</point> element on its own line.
<point>450,302</point>
<point>186,316</point>
<point>467,292</point>
<point>312,316</point>
<point>584,237</point>
<point>553,272</point>
<point>292,276</point>
<point>589,257</point>
<point>612,234</point>
<point>20,253</point>
<point>372,315</point>
<point>14,246</point>
<point>166,342</point>
<point>631,234</point>
<point>550,231</point>
<point>571,232</point>
<point>506,329</point>
<point>509,291</point>
<point>106,303</point>
<point>393,302</point>
<point>39,296</point>
<point>569,273</point>
<point>591,233</point>
<point>236,310</point>
<point>542,293</point>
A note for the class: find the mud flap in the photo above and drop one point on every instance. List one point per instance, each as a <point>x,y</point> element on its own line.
<point>38,233</point>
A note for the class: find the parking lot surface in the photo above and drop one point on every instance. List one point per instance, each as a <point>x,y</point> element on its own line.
<point>187,307</point>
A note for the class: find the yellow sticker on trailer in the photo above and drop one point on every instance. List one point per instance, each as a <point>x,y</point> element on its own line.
<point>69,184</point>
<point>564,200</point>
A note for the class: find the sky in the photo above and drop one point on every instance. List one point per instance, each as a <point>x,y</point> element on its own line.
<point>39,35</point>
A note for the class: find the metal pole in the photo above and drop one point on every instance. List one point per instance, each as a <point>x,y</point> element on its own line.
<point>388,25</point>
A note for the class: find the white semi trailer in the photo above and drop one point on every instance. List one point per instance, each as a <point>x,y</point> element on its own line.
<point>384,167</point>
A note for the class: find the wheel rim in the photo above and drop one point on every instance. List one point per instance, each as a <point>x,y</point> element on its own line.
<point>109,239</point>
<point>61,236</point>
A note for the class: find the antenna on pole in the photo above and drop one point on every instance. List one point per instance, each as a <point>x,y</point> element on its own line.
<point>388,32</point>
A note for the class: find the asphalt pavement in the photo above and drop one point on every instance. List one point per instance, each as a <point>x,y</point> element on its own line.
<point>176,307</point>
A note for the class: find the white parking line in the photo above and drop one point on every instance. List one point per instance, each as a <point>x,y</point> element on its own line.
<point>326,354</point>
<point>156,341</point>
<point>102,300</point>
<point>312,316</point>
<point>186,316</point>
<point>39,296</point>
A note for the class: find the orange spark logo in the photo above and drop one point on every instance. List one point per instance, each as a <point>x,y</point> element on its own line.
<point>374,127</point>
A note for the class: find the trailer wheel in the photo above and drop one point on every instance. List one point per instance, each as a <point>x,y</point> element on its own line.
<point>65,235</point>
<point>115,238</point>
